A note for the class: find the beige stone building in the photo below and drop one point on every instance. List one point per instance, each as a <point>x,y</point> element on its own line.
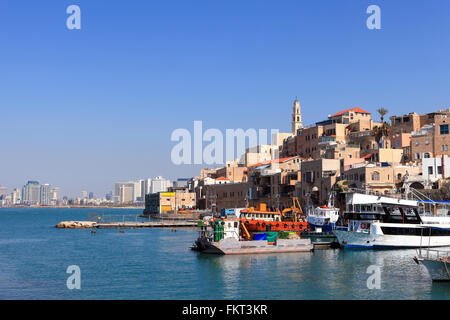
<point>318,177</point>
<point>432,140</point>
<point>378,179</point>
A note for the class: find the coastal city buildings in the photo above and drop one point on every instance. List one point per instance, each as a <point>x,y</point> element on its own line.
<point>347,149</point>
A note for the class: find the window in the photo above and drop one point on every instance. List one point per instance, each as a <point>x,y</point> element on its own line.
<point>439,171</point>
<point>399,176</point>
<point>430,170</point>
<point>426,155</point>
<point>444,128</point>
<point>376,176</point>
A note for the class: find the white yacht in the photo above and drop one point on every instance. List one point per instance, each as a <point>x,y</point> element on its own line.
<point>384,222</point>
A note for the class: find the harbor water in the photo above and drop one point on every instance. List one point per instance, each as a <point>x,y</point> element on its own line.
<point>158,264</point>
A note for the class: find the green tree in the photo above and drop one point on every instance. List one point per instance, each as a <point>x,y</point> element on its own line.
<point>380,132</point>
<point>382,112</point>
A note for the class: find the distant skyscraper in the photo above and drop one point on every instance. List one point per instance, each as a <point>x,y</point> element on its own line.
<point>54,196</point>
<point>45,195</point>
<point>147,187</point>
<point>182,182</point>
<point>159,184</point>
<point>3,192</point>
<point>16,196</point>
<point>137,190</point>
<point>109,196</point>
<point>91,195</point>
<point>84,194</point>
<point>31,192</point>
<point>124,192</point>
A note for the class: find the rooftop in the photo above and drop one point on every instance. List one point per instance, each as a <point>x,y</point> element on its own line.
<point>359,110</point>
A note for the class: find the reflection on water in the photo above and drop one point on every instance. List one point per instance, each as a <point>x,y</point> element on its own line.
<point>158,264</point>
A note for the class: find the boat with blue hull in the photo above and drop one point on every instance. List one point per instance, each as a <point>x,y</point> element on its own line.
<point>323,218</point>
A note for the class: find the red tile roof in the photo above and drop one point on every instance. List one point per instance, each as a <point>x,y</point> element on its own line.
<point>272,161</point>
<point>351,109</point>
<point>222,178</point>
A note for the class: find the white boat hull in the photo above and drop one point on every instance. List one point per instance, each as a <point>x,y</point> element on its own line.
<point>350,239</point>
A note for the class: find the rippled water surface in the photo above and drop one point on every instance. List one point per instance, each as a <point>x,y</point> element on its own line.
<point>157,264</point>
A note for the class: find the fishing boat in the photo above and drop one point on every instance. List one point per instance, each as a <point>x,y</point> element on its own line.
<point>260,219</point>
<point>230,236</point>
<point>437,262</point>
<point>376,221</point>
<point>323,218</point>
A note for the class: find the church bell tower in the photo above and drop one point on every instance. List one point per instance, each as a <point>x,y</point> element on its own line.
<point>296,117</point>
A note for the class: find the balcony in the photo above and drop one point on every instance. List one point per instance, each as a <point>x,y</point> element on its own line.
<point>327,140</point>
<point>360,134</point>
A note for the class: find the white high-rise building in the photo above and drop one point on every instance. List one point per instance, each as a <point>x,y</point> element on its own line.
<point>146,185</point>
<point>159,184</point>
<point>31,192</point>
<point>16,196</point>
<point>124,191</point>
<point>54,196</point>
<point>137,194</point>
<point>45,195</point>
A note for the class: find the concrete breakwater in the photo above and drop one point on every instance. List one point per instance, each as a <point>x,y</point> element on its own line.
<point>92,224</point>
<point>76,225</point>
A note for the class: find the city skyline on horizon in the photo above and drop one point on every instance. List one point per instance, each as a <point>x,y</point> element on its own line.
<point>100,103</point>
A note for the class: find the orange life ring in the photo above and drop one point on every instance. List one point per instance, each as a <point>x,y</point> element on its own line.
<point>363,225</point>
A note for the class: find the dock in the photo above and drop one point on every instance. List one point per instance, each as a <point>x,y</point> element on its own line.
<point>122,225</point>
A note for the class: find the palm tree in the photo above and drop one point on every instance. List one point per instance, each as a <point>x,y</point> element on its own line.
<point>382,112</point>
<point>380,132</point>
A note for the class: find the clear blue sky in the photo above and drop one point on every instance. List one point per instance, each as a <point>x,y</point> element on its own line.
<point>84,109</point>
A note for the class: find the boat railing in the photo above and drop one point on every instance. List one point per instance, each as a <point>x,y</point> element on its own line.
<point>435,254</point>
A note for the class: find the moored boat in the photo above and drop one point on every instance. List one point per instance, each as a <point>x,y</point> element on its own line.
<point>261,219</point>
<point>323,218</point>
<point>385,222</point>
<point>230,236</point>
<point>437,262</point>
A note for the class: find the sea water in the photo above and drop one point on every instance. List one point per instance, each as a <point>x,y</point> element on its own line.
<point>158,264</point>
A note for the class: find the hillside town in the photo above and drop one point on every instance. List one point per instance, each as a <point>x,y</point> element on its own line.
<point>350,149</point>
